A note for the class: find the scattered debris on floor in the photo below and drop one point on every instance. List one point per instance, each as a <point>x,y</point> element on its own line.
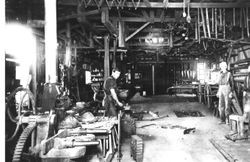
<point>183,113</point>
<point>225,154</point>
<point>146,115</point>
<point>186,130</point>
<point>189,130</point>
<point>235,137</point>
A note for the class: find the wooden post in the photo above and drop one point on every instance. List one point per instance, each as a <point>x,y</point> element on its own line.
<point>106,57</point>
<point>196,30</point>
<point>233,16</point>
<point>207,22</point>
<point>198,25</point>
<point>247,22</point>
<point>114,54</point>
<point>212,20</point>
<point>121,36</point>
<point>171,39</point>
<point>224,23</point>
<point>240,17</point>
<point>91,40</point>
<point>203,23</point>
<point>241,23</point>
<point>220,10</point>
<point>153,79</point>
<point>2,72</point>
<point>50,41</point>
<point>216,23</point>
<point>68,46</point>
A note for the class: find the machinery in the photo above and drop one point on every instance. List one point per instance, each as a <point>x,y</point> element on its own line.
<point>40,132</point>
<point>28,121</point>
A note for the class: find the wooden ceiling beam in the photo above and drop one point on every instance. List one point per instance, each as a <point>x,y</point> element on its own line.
<point>107,23</point>
<point>137,31</point>
<point>144,4</point>
<point>93,12</point>
<point>144,19</point>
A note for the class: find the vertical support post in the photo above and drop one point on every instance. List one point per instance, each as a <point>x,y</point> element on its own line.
<point>171,39</point>
<point>198,25</point>
<point>114,54</point>
<point>50,41</point>
<point>91,41</point>
<point>247,22</point>
<point>196,30</point>
<point>207,22</point>
<point>233,16</point>
<point>77,79</point>
<point>2,70</point>
<point>224,23</point>
<point>215,23</point>
<point>212,20</point>
<point>220,10</point>
<point>121,36</point>
<point>153,79</point>
<point>106,57</point>
<point>240,17</point>
<point>203,23</point>
<point>68,46</point>
<point>241,23</point>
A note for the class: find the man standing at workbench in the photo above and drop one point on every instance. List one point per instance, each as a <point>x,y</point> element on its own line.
<point>110,91</point>
<point>224,93</point>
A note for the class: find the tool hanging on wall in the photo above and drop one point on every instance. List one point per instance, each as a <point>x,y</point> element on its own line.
<point>247,22</point>
<point>224,23</point>
<point>212,21</point>
<point>207,22</point>
<point>188,7</point>
<point>215,23</point>
<point>184,9</point>
<point>203,23</point>
<point>198,26</point>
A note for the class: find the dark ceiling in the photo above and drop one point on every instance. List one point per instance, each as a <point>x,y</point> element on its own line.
<point>144,19</point>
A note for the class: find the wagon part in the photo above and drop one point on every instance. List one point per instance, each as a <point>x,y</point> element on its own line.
<point>15,115</point>
<point>23,144</point>
<point>136,148</point>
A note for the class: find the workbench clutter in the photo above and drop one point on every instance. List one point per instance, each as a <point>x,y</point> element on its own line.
<point>65,146</point>
<point>80,131</point>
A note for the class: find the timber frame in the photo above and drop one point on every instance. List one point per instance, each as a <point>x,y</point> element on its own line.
<point>190,28</point>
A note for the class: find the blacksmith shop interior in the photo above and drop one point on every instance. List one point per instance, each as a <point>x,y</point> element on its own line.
<point>127,80</point>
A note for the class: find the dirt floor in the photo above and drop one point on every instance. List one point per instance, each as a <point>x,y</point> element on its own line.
<point>164,139</point>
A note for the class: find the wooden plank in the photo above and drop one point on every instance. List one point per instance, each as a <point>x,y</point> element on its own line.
<point>203,23</point>
<point>137,31</point>
<point>145,19</point>
<point>208,25</point>
<point>105,20</point>
<point>106,57</point>
<point>50,41</point>
<point>121,37</point>
<point>225,154</point>
<point>92,12</point>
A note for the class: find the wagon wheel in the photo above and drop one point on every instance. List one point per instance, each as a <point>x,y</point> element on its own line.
<point>15,111</point>
<point>22,152</point>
